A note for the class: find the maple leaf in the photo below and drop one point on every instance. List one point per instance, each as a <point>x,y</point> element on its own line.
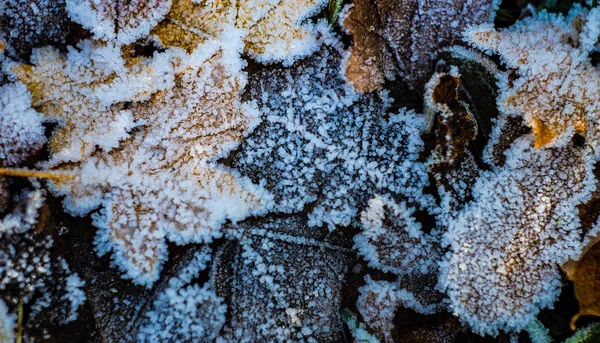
<point>272,30</point>
<point>283,281</point>
<point>325,148</point>
<point>556,86</point>
<point>393,38</point>
<point>159,180</point>
<point>506,244</point>
<point>119,21</point>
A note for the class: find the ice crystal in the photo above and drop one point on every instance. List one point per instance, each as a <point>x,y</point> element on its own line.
<point>183,312</point>
<point>285,283</point>
<point>115,20</point>
<point>324,148</point>
<point>505,246</point>
<point>401,37</point>
<point>21,131</point>
<point>557,86</point>
<point>272,30</point>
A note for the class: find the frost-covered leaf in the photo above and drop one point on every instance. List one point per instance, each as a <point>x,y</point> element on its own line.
<point>556,89</point>
<point>399,38</point>
<point>160,124</point>
<point>392,240</point>
<point>507,244</point>
<point>588,334</point>
<point>324,148</point>
<point>121,21</point>
<point>29,273</point>
<point>271,30</point>
<point>282,281</point>
<point>184,312</point>
<point>27,24</point>
<point>21,131</point>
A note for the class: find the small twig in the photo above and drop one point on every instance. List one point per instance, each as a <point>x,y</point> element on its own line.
<point>35,173</point>
<point>19,328</point>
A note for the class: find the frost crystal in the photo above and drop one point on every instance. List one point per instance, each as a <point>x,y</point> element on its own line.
<point>557,88</point>
<point>183,312</point>
<point>285,285</point>
<point>21,131</point>
<point>272,30</point>
<point>325,148</point>
<point>505,246</point>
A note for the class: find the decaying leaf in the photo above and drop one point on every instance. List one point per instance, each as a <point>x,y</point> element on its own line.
<point>271,30</point>
<point>283,281</point>
<point>507,244</point>
<point>325,148</point>
<point>392,38</point>
<point>556,91</point>
<point>586,281</point>
<point>121,21</point>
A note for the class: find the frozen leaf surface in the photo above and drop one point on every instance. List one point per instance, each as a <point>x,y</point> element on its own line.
<point>393,38</point>
<point>556,90</point>
<point>507,244</point>
<point>285,283</point>
<point>271,30</point>
<point>324,148</point>
<point>121,21</point>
